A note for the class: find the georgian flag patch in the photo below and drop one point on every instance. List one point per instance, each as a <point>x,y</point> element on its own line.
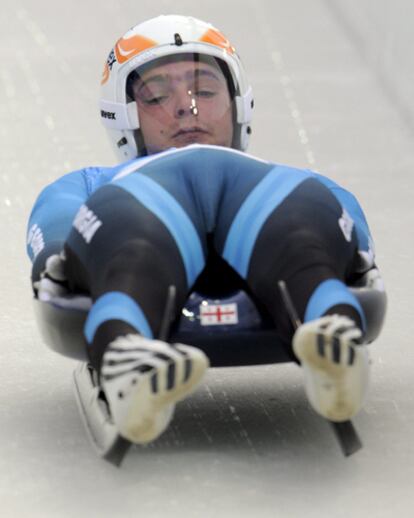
<point>218,314</point>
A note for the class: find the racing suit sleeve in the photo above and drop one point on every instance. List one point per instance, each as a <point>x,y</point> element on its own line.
<point>52,216</point>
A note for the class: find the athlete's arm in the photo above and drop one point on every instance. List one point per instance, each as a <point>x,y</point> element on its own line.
<point>52,216</point>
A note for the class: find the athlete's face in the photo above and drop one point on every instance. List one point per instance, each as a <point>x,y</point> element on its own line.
<point>183,103</point>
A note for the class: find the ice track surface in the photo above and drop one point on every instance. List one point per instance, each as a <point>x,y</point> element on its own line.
<point>247,443</point>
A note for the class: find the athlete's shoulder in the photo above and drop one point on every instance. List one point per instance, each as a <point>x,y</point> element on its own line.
<point>93,177</point>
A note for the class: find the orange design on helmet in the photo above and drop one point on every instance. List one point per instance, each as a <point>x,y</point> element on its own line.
<point>215,37</point>
<point>127,48</point>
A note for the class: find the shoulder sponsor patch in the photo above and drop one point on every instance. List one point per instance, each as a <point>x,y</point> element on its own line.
<point>35,239</point>
<point>86,223</point>
<point>346,224</point>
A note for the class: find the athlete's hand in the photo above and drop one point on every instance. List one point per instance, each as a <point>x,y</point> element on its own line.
<point>53,280</point>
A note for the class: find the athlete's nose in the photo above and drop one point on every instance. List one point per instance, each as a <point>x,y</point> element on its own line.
<point>186,104</point>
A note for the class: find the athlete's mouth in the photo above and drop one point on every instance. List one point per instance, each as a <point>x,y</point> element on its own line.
<point>194,130</point>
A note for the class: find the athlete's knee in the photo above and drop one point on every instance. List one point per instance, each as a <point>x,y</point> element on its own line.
<point>304,232</point>
<point>312,205</point>
<point>307,244</point>
<point>134,256</point>
<point>313,217</point>
<point>138,267</point>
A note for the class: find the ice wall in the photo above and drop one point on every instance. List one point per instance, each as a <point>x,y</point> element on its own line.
<point>384,33</point>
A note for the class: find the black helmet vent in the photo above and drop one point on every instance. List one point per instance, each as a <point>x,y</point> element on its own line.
<point>177,39</point>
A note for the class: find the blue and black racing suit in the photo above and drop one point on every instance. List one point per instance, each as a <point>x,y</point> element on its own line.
<point>205,218</point>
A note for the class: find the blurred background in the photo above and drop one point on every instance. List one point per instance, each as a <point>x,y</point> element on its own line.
<point>333,91</point>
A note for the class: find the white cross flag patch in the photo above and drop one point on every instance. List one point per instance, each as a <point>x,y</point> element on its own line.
<point>218,314</point>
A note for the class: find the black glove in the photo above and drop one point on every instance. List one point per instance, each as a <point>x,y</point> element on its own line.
<point>53,281</point>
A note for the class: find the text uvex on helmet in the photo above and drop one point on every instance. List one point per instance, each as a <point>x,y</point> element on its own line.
<point>160,37</point>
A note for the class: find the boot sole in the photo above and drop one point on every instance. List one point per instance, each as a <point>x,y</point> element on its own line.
<point>145,426</point>
<point>330,386</point>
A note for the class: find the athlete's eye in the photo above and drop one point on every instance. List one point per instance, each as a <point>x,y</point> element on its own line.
<point>205,94</point>
<point>154,101</point>
<point>153,93</point>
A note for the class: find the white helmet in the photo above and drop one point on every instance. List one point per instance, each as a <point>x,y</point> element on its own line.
<point>160,37</point>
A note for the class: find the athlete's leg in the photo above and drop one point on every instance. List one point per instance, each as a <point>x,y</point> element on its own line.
<point>127,255</point>
<point>289,229</point>
<point>127,265</point>
<point>304,239</point>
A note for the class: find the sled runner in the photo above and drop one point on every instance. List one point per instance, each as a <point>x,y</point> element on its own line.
<point>230,330</point>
